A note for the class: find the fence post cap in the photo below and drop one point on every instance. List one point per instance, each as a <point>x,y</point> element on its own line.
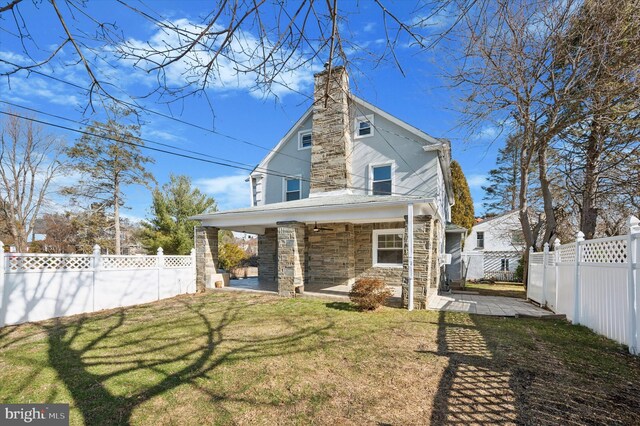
<point>634,224</point>
<point>160,251</point>
<point>530,249</point>
<point>546,245</point>
<point>556,242</point>
<point>193,251</point>
<point>580,236</point>
<point>96,249</point>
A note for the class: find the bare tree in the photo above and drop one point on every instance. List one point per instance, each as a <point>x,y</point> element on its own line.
<point>257,40</point>
<point>28,163</point>
<point>606,136</point>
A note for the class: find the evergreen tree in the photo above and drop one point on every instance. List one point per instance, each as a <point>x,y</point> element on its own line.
<point>462,213</point>
<point>170,227</point>
<point>501,195</point>
<point>109,161</point>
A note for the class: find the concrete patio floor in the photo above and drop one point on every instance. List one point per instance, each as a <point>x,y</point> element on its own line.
<point>469,303</point>
<point>486,305</point>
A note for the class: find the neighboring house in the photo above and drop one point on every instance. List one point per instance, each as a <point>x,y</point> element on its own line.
<point>344,195</point>
<point>493,248</point>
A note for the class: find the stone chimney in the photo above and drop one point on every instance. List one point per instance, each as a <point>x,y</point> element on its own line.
<point>331,134</point>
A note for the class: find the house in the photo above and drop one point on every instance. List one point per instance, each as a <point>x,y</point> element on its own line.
<point>493,248</point>
<point>350,191</point>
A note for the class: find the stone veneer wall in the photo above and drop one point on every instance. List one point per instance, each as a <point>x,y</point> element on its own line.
<point>268,255</point>
<point>425,251</point>
<point>291,257</point>
<point>331,133</point>
<point>364,255</point>
<point>206,255</point>
<point>330,255</point>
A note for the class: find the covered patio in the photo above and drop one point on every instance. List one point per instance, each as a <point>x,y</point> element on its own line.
<point>340,291</point>
<point>323,244</point>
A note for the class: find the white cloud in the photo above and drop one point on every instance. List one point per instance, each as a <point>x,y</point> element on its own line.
<point>230,192</point>
<point>232,70</point>
<point>476,181</point>
<point>439,20</point>
<point>370,26</point>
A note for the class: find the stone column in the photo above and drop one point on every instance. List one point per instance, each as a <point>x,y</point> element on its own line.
<point>206,255</point>
<point>291,257</point>
<point>422,256</point>
<point>268,255</point>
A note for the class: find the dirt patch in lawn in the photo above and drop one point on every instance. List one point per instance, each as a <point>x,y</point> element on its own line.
<point>237,358</point>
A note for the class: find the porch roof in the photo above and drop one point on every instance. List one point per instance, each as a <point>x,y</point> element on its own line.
<point>320,209</point>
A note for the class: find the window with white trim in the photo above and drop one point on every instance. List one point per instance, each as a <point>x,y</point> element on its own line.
<point>304,139</point>
<point>292,189</point>
<point>364,126</point>
<point>504,264</point>
<point>480,240</point>
<point>382,179</point>
<point>388,247</point>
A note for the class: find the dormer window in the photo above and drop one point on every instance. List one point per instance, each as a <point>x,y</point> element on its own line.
<point>291,189</point>
<point>304,139</point>
<point>382,179</point>
<point>364,126</point>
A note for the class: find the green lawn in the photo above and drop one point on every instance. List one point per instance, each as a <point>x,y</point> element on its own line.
<point>233,358</point>
<point>498,289</point>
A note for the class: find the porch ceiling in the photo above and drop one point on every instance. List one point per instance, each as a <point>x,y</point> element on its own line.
<point>320,209</point>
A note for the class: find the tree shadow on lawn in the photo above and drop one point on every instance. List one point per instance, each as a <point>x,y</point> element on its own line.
<point>162,358</point>
<point>502,375</point>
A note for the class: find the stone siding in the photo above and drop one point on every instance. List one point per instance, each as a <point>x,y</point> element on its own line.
<point>206,255</point>
<point>330,255</point>
<point>425,256</point>
<point>364,254</point>
<point>291,257</point>
<point>268,255</point>
<point>331,133</point>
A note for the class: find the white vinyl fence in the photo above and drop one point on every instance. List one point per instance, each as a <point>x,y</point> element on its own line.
<point>36,287</point>
<point>594,283</point>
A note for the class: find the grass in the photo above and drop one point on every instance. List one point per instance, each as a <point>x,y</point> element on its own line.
<point>498,289</point>
<point>234,358</point>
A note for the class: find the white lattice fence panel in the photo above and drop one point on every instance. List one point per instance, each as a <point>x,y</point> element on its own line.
<point>610,250</point>
<point>536,258</point>
<point>47,262</point>
<point>178,261</point>
<point>567,253</point>
<point>129,262</point>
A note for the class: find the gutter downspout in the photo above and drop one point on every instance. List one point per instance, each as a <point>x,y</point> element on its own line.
<point>410,254</point>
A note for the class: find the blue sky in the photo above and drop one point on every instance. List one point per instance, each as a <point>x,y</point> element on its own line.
<point>420,97</point>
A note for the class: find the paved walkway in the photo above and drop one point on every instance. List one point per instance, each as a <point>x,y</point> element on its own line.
<point>486,305</point>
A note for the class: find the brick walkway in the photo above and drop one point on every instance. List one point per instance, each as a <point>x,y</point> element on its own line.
<point>486,305</point>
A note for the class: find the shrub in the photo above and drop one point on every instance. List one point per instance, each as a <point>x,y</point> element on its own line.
<point>230,256</point>
<point>369,293</point>
<point>518,275</point>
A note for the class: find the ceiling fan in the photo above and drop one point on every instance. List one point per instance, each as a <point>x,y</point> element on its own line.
<point>318,229</point>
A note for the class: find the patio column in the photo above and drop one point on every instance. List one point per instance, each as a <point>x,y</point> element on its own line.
<point>422,255</point>
<point>206,241</point>
<point>291,256</point>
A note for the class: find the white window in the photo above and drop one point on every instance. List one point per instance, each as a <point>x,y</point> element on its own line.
<point>504,264</point>
<point>304,139</point>
<point>292,189</point>
<point>364,126</point>
<point>381,179</point>
<point>480,240</point>
<point>388,247</point>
